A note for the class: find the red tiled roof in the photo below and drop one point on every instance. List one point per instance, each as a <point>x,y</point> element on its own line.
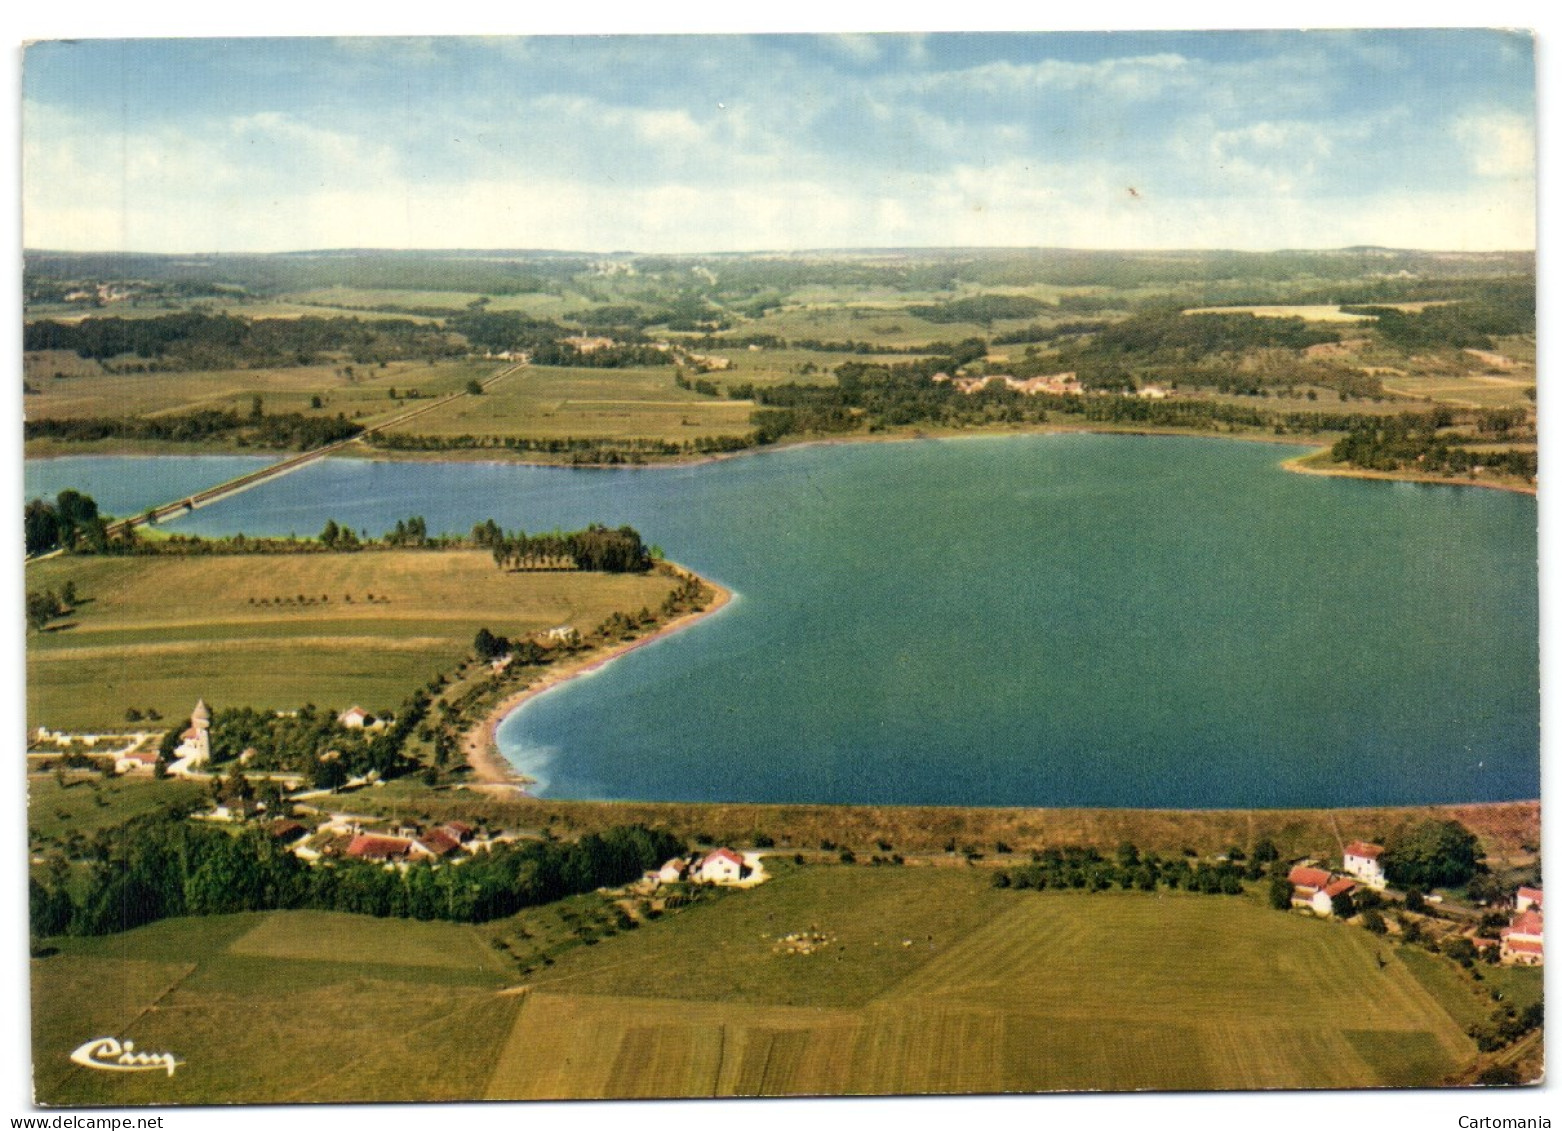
<point>723,854</point>
<point>458,829</point>
<point>1529,923</point>
<point>1525,946</point>
<point>367,846</point>
<point>1314,878</point>
<point>1339,887</point>
<point>1532,894</point>
<point>1364,849</point>
<point>439,843</point>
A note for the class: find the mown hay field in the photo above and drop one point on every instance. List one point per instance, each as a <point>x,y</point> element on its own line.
<point>989,991</point>
<point>278,631</point>
<point>359,392</point>
<point>929,980</point>
<point>1474,390</point>
<point>544,402</point>
<point>275,1007</point>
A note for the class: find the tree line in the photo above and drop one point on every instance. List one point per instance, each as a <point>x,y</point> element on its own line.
<point>162,866</point>
<point>291,430</point>
<point>71,522</point>
<point>1087,869</point>
<point>596,548</point>
<point>197,340</point>
<point>1415,441</point>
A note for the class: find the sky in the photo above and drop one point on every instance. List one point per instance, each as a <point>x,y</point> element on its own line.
<point>698,143</point>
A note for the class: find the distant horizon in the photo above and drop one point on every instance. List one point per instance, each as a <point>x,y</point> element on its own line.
<point>776,251</point>
<point>695,144</point>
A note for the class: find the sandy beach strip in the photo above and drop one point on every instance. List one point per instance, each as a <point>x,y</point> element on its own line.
<point>1342,472</point>
<point>480,744</point>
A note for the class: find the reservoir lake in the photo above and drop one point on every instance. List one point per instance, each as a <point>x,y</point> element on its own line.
<point>1049,620</point>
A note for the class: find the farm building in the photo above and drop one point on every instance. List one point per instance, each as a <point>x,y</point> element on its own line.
<point>437,843</point>
<point>136,762</point>
<point>1364,861</point>
<point>1523,940</point>
<point>1317,889</point>
<point>355,717</point>
<point>1527,899</point>
<point>722,866</point>
<point>371,846</point>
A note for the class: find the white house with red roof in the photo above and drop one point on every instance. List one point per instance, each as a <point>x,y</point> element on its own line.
<point>1317,889</point>
<point>723,866</point>
<point>1527,899</point>
<point>1364,861</point>
<point>1523,939</point>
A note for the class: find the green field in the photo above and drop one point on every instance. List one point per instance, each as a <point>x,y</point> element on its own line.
<point>933,982</point>
<point>1473,390</point>
<point>930,981</point>
<point>278,1007</point>
<point>161,632</point>
<point>84,804</point>
<point>557,403</point>
<point>359,392</point>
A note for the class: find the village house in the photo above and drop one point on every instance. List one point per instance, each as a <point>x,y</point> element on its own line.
<point>1523,939</point>
<point>437,844</point>
<point>1527,899</point>
<point>1364,861</point>
<point>722,866</point>
<point>373,846</point>
<point>136,762</point>
<point>1317,889</point>
<point>286,831</point>
<point>673,871</point>
<point>355,718</point>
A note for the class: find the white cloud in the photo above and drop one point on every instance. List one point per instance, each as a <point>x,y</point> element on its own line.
<point>1498,143</point>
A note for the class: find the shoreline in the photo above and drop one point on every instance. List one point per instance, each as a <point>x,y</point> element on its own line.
<point>1300,466</point>
<point>492,773</point>
<point>475,455</point>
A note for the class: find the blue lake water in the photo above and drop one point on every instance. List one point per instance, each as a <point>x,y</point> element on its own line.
<point>1042,620</point>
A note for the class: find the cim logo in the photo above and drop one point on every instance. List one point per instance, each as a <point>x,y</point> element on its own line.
<point>107,1055</point>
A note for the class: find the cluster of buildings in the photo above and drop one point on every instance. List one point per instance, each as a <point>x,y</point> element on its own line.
<point>1521,942</point>
<point>1523,939</point>
<point>1317,889</point>
<point>343,836</point>
<point>723,866</point>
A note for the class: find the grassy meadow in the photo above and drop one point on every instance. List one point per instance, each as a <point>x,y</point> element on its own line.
<point>359,392</point>
<point>278,631</point>
<point>928,980</point>
<point>557,403</point>
<point>932,981</point>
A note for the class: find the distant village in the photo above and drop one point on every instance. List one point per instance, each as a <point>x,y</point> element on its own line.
<point>1355,891</point>
<point>349,836</point>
